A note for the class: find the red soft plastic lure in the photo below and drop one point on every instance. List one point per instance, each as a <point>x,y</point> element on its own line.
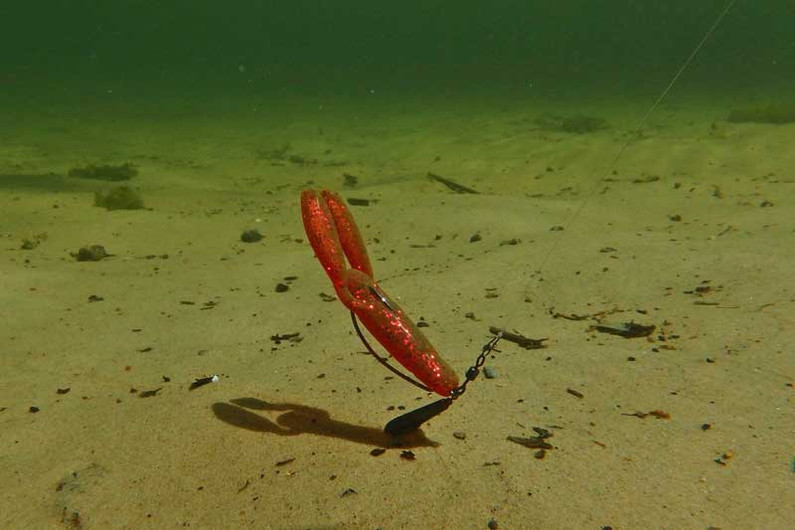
<point>337,242</point>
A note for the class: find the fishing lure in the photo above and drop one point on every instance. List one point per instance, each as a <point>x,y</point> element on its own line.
<point>339,247</point>
<point>337,243</point>
<point>334,237</point>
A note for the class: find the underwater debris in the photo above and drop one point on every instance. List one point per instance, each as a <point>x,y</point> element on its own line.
<point>107,172</point>
<point>723,459</point>
<point>628,330</point>
<point>201,381</point>
<point>525,342</point>
<point>659,414</point>
<point>119,198</point>
<point>451,184</point>
<point>571,316</point>
<point>149,393</point>
<point>704,288</point>
<point>535,442</point>
<point>646,179</point>
<point>289,337</point>
<point>575,393</point>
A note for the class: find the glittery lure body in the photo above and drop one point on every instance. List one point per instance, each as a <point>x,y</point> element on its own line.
<point>337,242</point>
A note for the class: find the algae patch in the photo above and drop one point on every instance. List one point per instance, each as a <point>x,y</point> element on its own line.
<point>119,198</point>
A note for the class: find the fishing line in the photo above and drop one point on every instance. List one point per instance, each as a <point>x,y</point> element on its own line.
<point>635,132</point>
<point>340,248</point>
<point>412,420</point>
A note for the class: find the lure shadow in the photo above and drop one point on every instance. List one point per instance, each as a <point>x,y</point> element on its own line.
<point>293,419</point>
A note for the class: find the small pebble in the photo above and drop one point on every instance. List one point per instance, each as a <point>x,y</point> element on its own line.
<point>92,253</point>
<point>490,372</point>
<point>250,236</point>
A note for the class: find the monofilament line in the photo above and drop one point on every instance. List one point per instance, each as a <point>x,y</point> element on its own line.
<point>636,131</point>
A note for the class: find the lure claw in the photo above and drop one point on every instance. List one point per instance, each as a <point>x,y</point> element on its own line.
<point>337,243</point>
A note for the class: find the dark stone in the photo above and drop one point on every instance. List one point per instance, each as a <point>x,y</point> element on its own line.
<point>251,236</point>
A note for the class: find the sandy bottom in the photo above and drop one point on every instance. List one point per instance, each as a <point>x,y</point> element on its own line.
<point>691,231</point>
